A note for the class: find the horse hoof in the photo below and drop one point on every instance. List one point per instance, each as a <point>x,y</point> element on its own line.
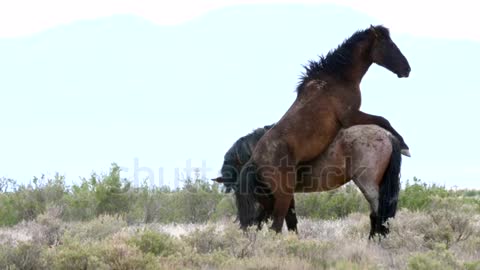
<point>405,152</point>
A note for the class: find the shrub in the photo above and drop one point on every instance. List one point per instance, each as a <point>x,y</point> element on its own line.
<point>112,253</point>
<point>451,219</point>
<point>73,254</point>
<point>197,201</point>
<point>96,229</point>
<point>8,213</point>
<point>107,194</point>
<point>226,208</point>
<point>111,192</point>
<point>209,239</point>
<point>80,202</point>
<point>419,195</point>
<point>119,255</point>
<point>51,227</point>
<point>315,252</point>
<point>6,184</point>
<point>52,190</point>
<point>158,244</point>
<point>407,232</point>
<point>439,258</point>
<point>272,262</point>
<point>228,240</point>
<point>144,207</point>
<point>200,202</point>
<point>30,200</point>
<point>25,256</point>
<point>330,205</point>
<point>472,265</point>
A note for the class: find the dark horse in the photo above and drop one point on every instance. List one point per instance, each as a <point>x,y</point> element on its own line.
<point>328,99</point>
<point>365,153</point>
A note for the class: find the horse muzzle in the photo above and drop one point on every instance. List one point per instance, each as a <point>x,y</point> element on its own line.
<point>404,74</point>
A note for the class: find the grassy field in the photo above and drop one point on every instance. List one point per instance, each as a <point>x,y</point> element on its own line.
<point>105,223</point>
<point>446,240</point>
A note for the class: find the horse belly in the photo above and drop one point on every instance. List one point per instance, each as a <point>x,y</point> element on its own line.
<point>325,173</point>
<point>317,184</point>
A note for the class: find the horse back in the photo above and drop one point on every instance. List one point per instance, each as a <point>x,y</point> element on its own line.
<point>362,149</point>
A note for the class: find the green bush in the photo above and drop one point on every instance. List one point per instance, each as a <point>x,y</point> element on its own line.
<point>451,221</point>
<point>80,202</point>
<point>317,253</point>
<point>8,213</point>
<point>144,206</point>
<point>439,258</point>
<point>158,244</point>
<point>52,228</point>
<point>209,240</point>
<point>111,253</point>
<point>98,195</point>
<point>75,255</point>
<point>331,205</point>
<point>225,208</point>
<point>472,265</point>
<point>26,202</point>
<point>419,195</point>
<point>111,192</point>
<point>196,202</point>
<point>119,255</point>
<point>24,256</point>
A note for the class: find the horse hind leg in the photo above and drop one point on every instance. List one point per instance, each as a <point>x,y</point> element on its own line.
<point>264,211</point>
<point>277,173</point>
<point>370,189</point>
<point>381,187</point>
<point>377,227</point>
<point>389,189</point>
<point>284,181</point>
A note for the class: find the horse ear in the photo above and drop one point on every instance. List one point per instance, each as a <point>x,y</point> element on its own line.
<point>374,31</point>
<point>218,179</point>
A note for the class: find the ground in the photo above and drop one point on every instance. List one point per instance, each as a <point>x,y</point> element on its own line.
<point>442,239</point>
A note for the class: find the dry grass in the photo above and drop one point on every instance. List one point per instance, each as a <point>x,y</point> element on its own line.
<point>442,239</point>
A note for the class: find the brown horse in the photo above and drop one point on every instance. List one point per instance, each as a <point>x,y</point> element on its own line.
<point>367,154</point>
<point>328,99</point>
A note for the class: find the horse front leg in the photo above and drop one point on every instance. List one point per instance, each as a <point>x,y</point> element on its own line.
<point>261,217</point>
<point>361,118</point>
<point>291,218</point>
<point>265,210</point>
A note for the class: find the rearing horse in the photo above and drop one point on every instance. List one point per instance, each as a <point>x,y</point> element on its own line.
<point>328,99</point>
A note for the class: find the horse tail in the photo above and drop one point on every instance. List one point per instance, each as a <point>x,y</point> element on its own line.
<point>245,194</point>
<point>390,186</point>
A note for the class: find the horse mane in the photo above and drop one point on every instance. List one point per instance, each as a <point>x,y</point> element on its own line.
<point>338,59</point>
<point>241,150</point>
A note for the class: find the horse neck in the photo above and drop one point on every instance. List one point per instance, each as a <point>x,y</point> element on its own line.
<point>359,70</point>
<point>245,149</point>
<point>360,64</point>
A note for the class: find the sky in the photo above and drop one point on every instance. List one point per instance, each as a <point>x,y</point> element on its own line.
<point>160,88</point>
